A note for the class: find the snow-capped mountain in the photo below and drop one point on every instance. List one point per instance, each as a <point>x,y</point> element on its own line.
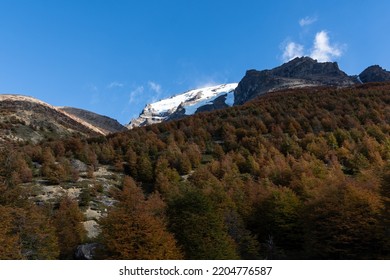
<point>185,104</point>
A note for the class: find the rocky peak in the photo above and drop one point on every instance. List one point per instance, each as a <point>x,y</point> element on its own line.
<point>299,72</point>
<point>306,67</point>
<point>374,73</point>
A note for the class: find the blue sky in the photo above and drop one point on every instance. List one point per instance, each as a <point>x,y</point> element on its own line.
<point>113,57</point>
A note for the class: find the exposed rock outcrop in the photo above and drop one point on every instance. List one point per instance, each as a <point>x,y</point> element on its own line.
<point>86,251</point>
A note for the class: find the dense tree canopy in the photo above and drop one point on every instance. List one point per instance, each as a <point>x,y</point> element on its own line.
<point>298,174</point>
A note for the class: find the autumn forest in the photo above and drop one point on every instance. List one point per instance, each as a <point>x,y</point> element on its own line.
<point>295,174</point>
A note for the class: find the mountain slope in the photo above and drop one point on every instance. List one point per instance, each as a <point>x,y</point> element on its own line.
<point>312,158</point>
<point>185,104</point>
<point>103,123</point>
<point>297,73</point>
<point>24,118</point>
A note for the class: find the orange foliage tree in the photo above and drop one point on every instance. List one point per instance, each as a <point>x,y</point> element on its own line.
<point>136,229</point>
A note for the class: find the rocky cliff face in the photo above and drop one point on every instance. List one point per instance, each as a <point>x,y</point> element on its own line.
<point>374,73</point>
<point>104,123</point>
<point>299,72</point>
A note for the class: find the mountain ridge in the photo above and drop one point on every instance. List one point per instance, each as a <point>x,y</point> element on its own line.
<point>25,118</point>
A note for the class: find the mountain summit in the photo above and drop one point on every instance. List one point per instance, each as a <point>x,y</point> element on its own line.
<point>297,73</point>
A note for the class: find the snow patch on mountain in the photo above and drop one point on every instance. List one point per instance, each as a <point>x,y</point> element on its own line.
<point>190,101</point>
<point>192,108</point>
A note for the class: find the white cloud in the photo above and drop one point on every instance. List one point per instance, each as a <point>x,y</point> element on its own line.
<point>136,93</point>
<point>115,84</point>
<point>292,50</point>
<point>323,50</point>
<point>307,21</point>
<point>155,87</point>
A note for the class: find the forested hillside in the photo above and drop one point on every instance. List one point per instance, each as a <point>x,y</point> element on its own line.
<point>297,174</point>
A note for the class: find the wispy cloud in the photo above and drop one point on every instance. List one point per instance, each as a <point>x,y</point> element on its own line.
<point>145,89</point>
<point>307,21</point>
<point>155,87</point>
<point>92,87</point>
<point>136,94</point>
<point>292,50</point>
<point>322,50</point>
<point>115,84</point>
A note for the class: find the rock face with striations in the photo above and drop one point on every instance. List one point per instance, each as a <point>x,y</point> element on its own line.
<point>299,72</point>
<point>375,73</point>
